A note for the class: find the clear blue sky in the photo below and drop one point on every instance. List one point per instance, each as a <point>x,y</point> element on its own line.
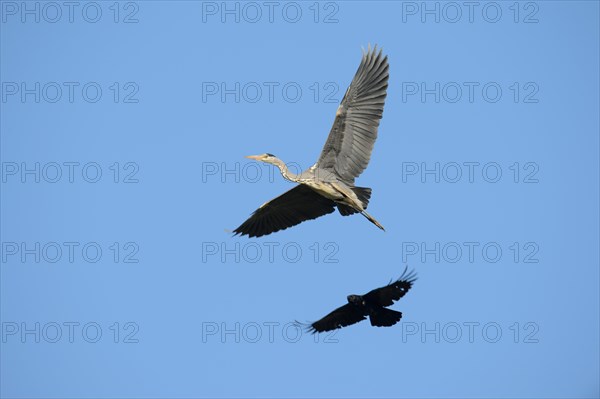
<point>123,168</point>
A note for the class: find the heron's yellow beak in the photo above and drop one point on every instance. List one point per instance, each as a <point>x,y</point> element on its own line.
<point>255,157</point>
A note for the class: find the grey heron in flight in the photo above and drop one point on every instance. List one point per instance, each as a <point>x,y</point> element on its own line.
<point>329,183</point>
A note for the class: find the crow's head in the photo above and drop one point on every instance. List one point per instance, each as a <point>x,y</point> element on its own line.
<point>355,299</point>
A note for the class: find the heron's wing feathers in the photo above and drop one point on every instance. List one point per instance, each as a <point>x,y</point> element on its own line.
<point>350,142</point>
<point>289,209</point>
<point>385,296</point>
<point>341,317</point>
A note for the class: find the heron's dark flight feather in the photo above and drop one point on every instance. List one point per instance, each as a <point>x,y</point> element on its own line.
<point>289,209</point>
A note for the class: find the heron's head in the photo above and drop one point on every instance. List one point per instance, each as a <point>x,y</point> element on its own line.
<point>268,158</point>
<point>355,299</point>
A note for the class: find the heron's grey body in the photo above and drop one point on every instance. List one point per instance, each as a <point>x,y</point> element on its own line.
<point>329,183</point>
<point>325,183</point>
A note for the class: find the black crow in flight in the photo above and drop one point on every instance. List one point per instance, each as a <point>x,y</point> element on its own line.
<point>372,304</point>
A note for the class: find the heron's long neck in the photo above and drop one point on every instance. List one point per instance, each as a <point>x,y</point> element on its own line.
<point>285,171</point>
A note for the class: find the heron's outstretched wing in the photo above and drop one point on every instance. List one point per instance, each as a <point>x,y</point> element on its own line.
<point>289,209</point>
<point>341,317</point>
<point>350,142</point>
<point>385,296</point>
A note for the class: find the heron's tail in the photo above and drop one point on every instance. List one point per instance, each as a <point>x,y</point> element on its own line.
<point>363,194</point>
<point>372,220</point>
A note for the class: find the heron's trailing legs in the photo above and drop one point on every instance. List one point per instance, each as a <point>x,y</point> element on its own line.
<point>372,220</point>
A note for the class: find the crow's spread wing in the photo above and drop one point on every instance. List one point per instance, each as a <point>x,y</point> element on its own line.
<point>341,317</point>
<point>385,296</point>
